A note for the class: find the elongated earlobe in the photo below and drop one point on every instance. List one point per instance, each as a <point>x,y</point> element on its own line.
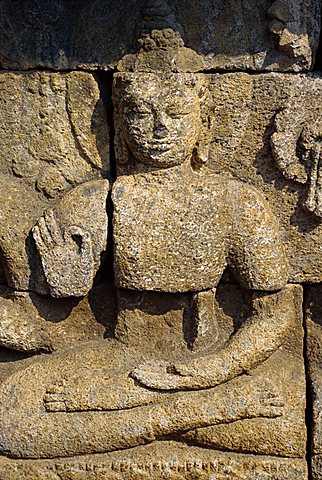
<point>200,156</point>
<point>122,151</point>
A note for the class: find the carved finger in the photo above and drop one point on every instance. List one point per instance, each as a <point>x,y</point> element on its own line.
<point>45,233</point>
<point>56,389</point>
<point>182,370</point>
<point>275,403</point>
<point>73,230</point>
<point>87,244</point>
<point>161,381</point>
<point>53,227</point>
<point>272,412</point>
<point>41,246</point>
<point>86,237</point>
<point>54,397</point>
<point>310,202</point>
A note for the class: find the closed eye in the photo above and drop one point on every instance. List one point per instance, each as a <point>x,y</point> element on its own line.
<point>140,114</point>
<point>178,113</point>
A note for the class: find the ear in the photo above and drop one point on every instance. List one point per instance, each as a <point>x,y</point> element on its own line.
<point>202,91</point>
<point>122,152</point>
<point>201,151</point>
<point>200,155</point>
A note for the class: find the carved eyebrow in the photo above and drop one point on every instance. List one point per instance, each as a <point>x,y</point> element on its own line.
<point>134,106</point>
<point>179,93</point>
<point>184,102</point>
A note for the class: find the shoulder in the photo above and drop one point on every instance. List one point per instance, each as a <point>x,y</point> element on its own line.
<point>257,240</point>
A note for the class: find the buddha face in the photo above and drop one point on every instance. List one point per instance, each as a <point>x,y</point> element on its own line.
<point>161,119</point>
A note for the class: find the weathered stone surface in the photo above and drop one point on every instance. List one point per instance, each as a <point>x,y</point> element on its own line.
<point>35,34</point>
<point>316,467</point>
<point>259,35</point>
<point>32,323</point>
<point>172,464</point>
<point>313,325</point>
<point>54,132</point>
<point>20,265</point>
<point>53,136</point>
<point>142,314</point>
<point>47,403</point>
<point>284,436</point>
<point>182,321</point>
<point>158,322</point>
<point>176,225</point>
<point>266,133</point>
<point>70,239</point>
<point>188,251</point>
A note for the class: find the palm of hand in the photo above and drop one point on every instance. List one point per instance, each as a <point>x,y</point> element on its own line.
<point>67,257</point>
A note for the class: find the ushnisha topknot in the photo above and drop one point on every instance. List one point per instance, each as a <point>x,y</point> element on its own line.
<point>161,39</point>
<point>162,51</point>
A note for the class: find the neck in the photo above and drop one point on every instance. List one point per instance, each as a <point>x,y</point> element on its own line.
<point>134,167</point>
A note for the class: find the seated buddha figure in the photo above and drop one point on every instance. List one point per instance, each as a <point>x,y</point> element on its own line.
<point>176,227</point>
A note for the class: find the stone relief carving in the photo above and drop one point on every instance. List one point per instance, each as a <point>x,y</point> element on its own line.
<point>70,240</point>
<point>48,148</point>
<point>147,324</point>
<point>228,35</point>
<point>286,25</point>
<point>108,395</point>
<point>296,145</point>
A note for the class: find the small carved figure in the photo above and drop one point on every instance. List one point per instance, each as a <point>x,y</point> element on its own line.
<point>287,27</point>
<point>296,147</point>
<point>105,396</point>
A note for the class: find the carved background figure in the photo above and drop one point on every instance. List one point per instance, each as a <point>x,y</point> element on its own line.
<point>296,146</point>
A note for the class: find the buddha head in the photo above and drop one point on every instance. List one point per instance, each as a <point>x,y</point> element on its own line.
<point>159,117</point>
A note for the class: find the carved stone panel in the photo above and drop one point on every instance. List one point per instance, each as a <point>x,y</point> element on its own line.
<point>152,262</point>
<point>279,35</point>
<point>53,136</point>
<point>266,133</point>
<point>191,364</point>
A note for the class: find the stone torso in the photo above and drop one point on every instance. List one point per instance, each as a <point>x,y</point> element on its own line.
<point>171,233</point>
<point>176,230</point>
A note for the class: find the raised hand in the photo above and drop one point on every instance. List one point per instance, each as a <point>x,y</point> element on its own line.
<point>66,256</point>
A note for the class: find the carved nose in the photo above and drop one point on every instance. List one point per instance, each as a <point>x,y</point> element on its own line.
<point>160,128</point>
<point>161,131</point>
